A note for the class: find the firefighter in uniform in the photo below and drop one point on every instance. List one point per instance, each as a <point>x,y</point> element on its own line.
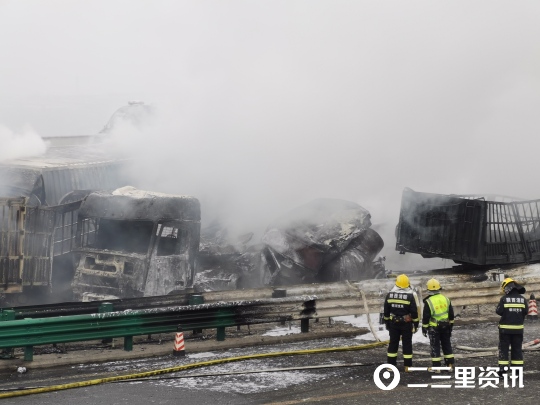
<point>401,319</point>
<point>438,322</point>
<point>512,308</point>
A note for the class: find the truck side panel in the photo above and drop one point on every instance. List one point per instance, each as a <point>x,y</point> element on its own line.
<point>471,231</point>
<point>12,212</point>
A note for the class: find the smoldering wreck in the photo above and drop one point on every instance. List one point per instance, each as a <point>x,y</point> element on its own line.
<point>474,231</point>
<point>135,243</point>
<point>69,226</point>
<point>85,244</point>
<point>322,241</point>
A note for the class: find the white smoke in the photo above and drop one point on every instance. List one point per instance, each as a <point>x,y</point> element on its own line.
<point>269,105</point>
<point>20,144</point>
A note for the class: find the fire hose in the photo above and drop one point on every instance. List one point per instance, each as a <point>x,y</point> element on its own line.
<point>175,369</point>
<point>366,308</point>
<point>529,346</point>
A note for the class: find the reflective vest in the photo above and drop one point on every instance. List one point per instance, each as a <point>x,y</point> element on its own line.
<point>439,306</point>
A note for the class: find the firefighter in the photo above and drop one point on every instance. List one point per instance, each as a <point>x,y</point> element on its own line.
<point>512,308</point>
<point>401,319</point>
<point>437,323</point>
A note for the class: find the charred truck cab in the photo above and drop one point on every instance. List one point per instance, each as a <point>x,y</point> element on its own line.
<point>136,243</point>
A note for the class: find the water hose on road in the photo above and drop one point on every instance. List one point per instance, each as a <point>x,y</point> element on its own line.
<point>529,346</point>
<point>185,367</point>
<point>366,308</point>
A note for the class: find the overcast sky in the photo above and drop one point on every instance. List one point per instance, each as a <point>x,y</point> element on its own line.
<point>268,104</point>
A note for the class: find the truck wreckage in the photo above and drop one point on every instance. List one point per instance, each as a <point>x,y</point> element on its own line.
<point>473,231</point>
<point>324,240</point>
<point>38,217</point>
<point>135,243</point>
<point>132,243</point>
<point>64,233</point>
<point>61,231</point>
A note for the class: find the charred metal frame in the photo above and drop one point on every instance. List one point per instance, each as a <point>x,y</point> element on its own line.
<point>29,239</point>
<point>469,231</point>
<point>118,269</point>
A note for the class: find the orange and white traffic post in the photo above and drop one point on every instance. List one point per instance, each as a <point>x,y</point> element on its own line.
<point>179,347</point>
<point>533,309</point>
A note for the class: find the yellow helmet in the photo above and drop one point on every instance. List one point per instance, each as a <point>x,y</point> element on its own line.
<point>506,281</point>
<point>433,285</point>
<point>402,281</point>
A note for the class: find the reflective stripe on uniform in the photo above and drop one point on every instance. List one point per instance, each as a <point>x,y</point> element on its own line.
<point>386,318</point>
<point>391,354</point>
<point>511,326</point>
<point>399,302</point>
<point>435,359</point>
<point>503,362</point>
<point>514,305</point>
<point>416,320</point>
<point>407,356</point>
<point>448,356</point>
<point>517,362</point>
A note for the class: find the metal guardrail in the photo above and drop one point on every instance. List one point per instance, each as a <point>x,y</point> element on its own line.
<point>32,332</point>
<point>81,308</point>
<point>96,320</point>
<point>460,288</point>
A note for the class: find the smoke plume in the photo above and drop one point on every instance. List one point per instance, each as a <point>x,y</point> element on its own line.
<point>20,144</point>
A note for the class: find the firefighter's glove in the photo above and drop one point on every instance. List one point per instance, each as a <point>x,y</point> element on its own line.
<point>424,332</point>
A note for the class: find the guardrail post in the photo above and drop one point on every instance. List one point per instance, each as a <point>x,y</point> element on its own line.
<point>128,343</point>
<point>304,325</point>
<point>280,293</point>
<point>309,310</point>
<point>197,299</point>
<point>28,353</point>
<point>103,308</point>
<point>221,333</point>
<point>7,315</point>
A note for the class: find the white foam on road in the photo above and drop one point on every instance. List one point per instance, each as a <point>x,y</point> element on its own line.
<point>282,331</point>
<point>361,322</point>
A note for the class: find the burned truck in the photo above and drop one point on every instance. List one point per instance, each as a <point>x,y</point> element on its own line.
<point>136,243</point>
<point>473,231</point>
<point>324,240</point>
<point>38,217</point>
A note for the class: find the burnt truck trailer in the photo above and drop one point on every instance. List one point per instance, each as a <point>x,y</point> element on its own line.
<point>136,243</point>
<point>38,216</point>
<point>470,230</point>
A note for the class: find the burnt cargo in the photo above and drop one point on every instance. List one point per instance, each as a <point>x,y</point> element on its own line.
<point>38,216</point>
<point>470,230</point>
